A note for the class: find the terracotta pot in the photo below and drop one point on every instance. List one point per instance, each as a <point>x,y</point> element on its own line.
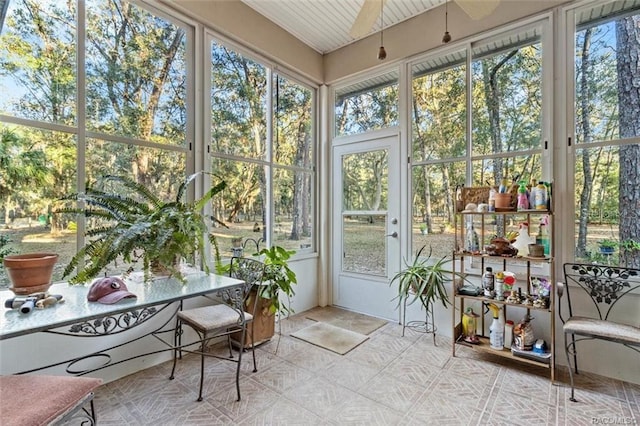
<point>503,200</point>
<point>30,273</point>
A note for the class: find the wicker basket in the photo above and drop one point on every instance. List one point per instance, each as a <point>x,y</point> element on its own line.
<point>475,195</point>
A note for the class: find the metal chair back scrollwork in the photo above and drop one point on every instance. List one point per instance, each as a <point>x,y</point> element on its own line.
<point>598,316</point>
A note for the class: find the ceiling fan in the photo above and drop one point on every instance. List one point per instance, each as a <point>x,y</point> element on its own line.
<point>370,10</point>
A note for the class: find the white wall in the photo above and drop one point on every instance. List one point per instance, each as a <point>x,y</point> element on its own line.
<point>239,22</point>
<point>36,350</point>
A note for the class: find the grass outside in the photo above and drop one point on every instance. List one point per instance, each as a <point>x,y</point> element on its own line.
<point>363,242</point>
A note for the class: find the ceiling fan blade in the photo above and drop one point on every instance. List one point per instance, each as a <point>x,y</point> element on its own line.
<point>477,9</point>
<point>369,12</point>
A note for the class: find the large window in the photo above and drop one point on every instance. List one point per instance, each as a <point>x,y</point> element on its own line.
<point>370,104</point>
<point>69,116</point>
<point>262,144</point>
<point>439,147</point>
<point>500,78</point>
<point>506,94</point>
<point>607,131</point>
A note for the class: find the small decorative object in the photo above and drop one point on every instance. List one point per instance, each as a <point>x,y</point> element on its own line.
<point>472,244</point>
<point>523,334</point>
<point>509,280</point>
<point>513,297</point>
<point>470,326</point>
<point>501,247</point>
<point>540,285</point>
<point>540,346</point>
<point>523,239</point>
<point>540,303</point>
<point>471,207</point>
<point>30,273</point>
<point>483,208</point>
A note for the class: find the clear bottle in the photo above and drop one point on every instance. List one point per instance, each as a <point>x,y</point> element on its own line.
<point>472,243</point>
<point>532,194</point>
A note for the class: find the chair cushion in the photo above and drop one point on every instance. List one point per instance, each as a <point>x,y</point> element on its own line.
<point>213,317</point>
<point>608,330</point>
<point>38,400</point>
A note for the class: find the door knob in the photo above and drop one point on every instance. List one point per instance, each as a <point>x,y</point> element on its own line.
<point>394,234</point>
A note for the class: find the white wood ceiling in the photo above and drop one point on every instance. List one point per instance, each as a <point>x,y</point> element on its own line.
<point>325,24</point>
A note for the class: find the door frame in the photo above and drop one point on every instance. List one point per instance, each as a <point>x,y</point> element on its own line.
<point>361,143</point>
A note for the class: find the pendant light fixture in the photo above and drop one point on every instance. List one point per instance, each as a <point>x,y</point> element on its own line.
<point>446,38</point>
<point>382,54</point>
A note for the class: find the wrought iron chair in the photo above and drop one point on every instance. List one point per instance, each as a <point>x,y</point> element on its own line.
<point>605,286</point>
<point>235,315</point>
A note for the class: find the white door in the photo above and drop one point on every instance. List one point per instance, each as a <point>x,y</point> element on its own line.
<point>366,219</point>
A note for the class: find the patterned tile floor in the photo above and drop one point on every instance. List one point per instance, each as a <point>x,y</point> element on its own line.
<point>388,380</point>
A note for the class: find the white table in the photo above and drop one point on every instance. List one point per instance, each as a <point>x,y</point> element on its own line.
<point>79,317</point>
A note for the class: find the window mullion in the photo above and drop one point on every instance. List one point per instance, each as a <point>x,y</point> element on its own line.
<point>81,121</point>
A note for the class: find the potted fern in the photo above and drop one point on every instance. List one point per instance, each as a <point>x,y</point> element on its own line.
<point>133,224</point>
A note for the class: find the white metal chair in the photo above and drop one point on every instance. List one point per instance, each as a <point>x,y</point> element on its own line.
<point>222,320</point>
<point>605,286</point>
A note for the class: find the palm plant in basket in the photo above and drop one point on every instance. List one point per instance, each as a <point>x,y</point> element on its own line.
<point>132,224</point>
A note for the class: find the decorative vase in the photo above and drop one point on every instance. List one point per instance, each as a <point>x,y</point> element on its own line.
<point>30,273</point>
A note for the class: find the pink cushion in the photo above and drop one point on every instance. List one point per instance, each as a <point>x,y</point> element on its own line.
<point>38,400</point>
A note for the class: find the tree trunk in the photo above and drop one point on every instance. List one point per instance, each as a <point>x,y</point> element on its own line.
<point>297,228</point>
<point>628,52</point>
<point>585,129</point>
<point>492,99</point>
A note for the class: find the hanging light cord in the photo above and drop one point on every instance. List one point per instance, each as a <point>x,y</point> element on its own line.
<point>381,22</point>
<point>382,54</point>
<point>446,38</point>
